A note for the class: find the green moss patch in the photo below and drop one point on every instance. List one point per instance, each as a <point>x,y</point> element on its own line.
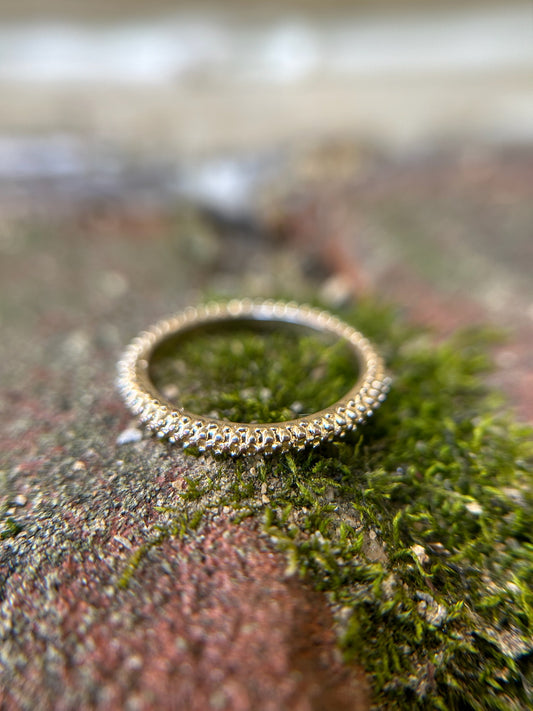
<point>9,528</point>
<point>249,374</point>
<point>418,527</point>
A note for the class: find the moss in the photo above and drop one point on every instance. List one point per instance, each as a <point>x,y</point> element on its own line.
<point>259,382</point>
<point>9,528</point>
<point>180,522</point>
<point>418,527</point>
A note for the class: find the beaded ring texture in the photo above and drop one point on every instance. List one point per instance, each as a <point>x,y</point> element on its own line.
<point>240,438</point>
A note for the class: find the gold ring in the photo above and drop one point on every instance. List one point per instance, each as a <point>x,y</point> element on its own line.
<point>236,438</point>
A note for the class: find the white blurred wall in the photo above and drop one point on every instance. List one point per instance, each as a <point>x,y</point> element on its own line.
<point>196,83</point>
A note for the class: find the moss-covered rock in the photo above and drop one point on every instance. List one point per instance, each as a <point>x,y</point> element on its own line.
<point>418,527</point>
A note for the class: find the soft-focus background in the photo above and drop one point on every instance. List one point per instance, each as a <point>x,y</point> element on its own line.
<point>86,86</point>
<point>240,75</point>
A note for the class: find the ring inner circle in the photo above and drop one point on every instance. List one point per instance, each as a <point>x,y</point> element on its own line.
<point>253,371</point>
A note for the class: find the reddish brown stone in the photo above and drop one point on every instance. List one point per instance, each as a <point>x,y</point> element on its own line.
<point>211,623</point>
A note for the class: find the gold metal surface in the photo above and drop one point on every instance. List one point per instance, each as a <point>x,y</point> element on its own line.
<point>238,438</point>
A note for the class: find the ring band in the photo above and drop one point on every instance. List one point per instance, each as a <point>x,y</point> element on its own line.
<point>237,438</point>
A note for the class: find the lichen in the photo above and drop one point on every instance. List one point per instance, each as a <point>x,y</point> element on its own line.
<point>418,527</point>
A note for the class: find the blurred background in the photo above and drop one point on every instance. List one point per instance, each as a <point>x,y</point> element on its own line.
<point>84,84</point>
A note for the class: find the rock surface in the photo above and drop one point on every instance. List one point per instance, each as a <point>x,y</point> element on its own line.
<point>208,620</point>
